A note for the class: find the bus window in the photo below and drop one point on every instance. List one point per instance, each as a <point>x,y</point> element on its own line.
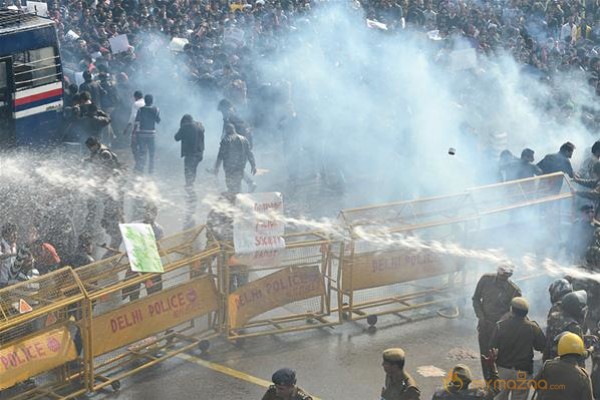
<point>34,68</point>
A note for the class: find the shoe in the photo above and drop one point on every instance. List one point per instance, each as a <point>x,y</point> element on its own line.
<point>251,187</point>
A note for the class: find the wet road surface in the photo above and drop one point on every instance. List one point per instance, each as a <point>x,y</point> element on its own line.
<point>339,363</point>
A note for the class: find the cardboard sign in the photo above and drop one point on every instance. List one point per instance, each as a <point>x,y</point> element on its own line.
<point>434,35</point>
<point>141,248</point>
<point>119,44</point>
<point>272,291</point>
<point>258,228</point>
<point>35,355</point>
<point>71,35</point>
<point>79,78</point>
<point>376,25</point>
<point>177,44</point>
<point>381,268</point>
<point>153,314</point>
<point>37,7</point>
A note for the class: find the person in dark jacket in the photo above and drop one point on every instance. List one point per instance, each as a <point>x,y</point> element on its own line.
<point>70,93</point>
<point>491,301</point>
<point>564,378</point>
<point>594,184</point>
<point>108,102</point>
<point>108,174</point>
<point>230,116</point>
<point>85,119</point>
<point>569,317</point>
<point>514,340</point>
<point>234,153</point>
<point>582,234</point>
<point>558,162</point>
<point>92,87</point>
<point>83,254</point>
<point>191,136</point>
<point>524,167</point>
<point>146,120</point>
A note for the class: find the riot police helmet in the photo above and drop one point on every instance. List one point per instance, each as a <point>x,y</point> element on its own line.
<point>575,303</point>
<point>559,289</point>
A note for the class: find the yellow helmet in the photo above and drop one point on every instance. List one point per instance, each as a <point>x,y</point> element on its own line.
<point>570,343</point>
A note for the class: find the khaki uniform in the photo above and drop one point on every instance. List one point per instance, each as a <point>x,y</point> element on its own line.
<point>403,389</point>
<point>451,393</point>
<point>563,379</point>
<point>516,338</point>
<point>300,394</point>
<point>491,302</point>
<point>466,394</point>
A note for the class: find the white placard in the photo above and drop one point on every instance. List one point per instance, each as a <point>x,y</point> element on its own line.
<point>38,8</point>
<point>71,35</point>
<point>258,228</point>
<point>177,44</point>
<point>434,35</point>
<point>376,24</point>
<point>142,251</point>
<point>119,44</point>
<point>79,78</point>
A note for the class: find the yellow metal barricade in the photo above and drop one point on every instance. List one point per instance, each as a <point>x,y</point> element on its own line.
<point>283,291</point>
<point>42,334</point>
<point>139,320</point>
<point>375,281</point>
<point>383,271</point>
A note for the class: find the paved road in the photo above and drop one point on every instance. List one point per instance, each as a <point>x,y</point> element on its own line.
<point>339,363</point>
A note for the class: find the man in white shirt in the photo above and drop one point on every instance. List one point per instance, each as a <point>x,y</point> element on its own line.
<point>138,103</point>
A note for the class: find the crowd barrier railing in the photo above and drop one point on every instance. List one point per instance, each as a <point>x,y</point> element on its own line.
<point>42,331</point>
<point>78,331</point>
<point>282,291</point>
<point>138,320</point>
<point>379,276</point>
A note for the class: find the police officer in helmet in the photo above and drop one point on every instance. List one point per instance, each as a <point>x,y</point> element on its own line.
<point>563,378</point>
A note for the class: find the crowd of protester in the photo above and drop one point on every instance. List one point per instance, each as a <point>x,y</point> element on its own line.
<point>217,44</point>
<point>223,40</point>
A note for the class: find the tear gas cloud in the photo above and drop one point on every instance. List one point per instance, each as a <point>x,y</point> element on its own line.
<point>378,114</point>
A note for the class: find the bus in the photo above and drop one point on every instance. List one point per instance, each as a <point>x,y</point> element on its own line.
<point>31,90</point>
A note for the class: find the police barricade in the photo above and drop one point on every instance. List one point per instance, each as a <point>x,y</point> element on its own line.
<point>375,281</point>
<point>286,290</point>
<point>42,334</point>
<point>383,270</point>
<point>139,320</point>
